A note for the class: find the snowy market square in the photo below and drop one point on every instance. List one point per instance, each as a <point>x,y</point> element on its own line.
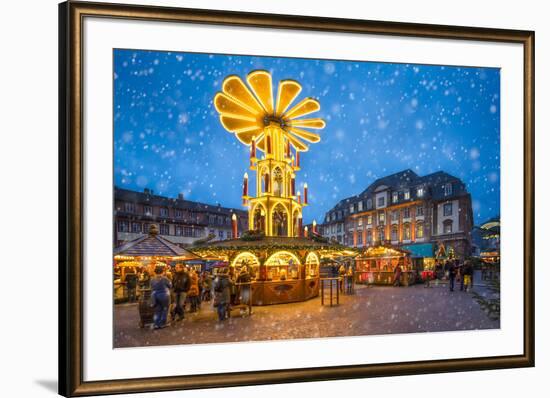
<point>262,198</point>
<point>371,311</point>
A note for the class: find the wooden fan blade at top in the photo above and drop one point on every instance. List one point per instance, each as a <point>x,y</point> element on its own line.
<point>227,105</point>
<point>316,123</point>
<point>235,123</point>
<point>306,135</point>
<point>286,93</point>
<point>299,145</point>
<point>235,88</point>
<point>246,136</point>
<point>302,108</point>
<point>260,82</point>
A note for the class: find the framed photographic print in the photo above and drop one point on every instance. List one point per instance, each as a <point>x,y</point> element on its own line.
<point>312,198</point>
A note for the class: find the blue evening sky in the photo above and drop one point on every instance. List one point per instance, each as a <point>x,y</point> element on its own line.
<point>381,118</point>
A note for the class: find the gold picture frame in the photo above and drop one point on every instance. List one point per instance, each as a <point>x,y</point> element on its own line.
<point>71,17</point>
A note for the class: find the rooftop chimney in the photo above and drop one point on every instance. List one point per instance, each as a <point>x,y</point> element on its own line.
<point>180,196</point>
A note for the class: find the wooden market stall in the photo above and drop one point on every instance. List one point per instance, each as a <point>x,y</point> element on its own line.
<point>146,253</point>
<point>376,265</point>
<point>281,269</point>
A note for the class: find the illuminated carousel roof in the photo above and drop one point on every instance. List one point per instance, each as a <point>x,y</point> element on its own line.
<point>269,241</point>
<point>226,247</point>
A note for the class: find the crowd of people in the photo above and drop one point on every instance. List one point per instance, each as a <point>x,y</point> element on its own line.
<point>455,272</point>
<point>178,290</point>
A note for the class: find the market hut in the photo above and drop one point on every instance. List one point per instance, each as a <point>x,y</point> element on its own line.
<point>282,269</point>
<point>152,247</point>
<point>146,251</point>
<point>376,265</point>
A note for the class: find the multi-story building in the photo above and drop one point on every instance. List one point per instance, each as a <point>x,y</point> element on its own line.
<point>406,210</point>
<point>180,221</point>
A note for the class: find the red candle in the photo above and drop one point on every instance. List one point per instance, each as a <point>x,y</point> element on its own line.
<point>299,225</point>
<point>245,184</point>
<point>292,186</point>
<point>268,140</point>
<point>253,148</point>
<point>297,158</point>
<point>305,194</point>
<point>314,227</point>
<point>234,225</point>
<point>305,231</point>
<point>287,149</point>
<point>299,198</point>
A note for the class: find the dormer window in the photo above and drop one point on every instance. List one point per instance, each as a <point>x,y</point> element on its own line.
<point>420,192</point>
<point>407,194</point>
<point>369,203</point>
<point>448,189</point>
<point>395,197</point>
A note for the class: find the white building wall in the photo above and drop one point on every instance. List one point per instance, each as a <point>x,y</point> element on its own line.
<point>441,218</point>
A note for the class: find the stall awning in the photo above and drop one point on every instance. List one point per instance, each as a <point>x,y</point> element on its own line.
<point>153,245</point>
<point>420,249</point>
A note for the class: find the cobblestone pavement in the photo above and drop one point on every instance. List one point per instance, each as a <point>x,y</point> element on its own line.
<point>371,311</point>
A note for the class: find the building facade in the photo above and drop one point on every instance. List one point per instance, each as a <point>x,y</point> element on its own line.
<point>180,221</point>
<point>406,210</point>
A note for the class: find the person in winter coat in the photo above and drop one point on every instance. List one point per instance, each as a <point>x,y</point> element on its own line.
<point>181,283</point>
<point>193,292</point>
<point>160,295</point>
<point>243,292</point>
<point>222,295</point>
<point>467,273</point>
<point>452,275</point>
<point>206,286</point>
<point>341,275</point>
<point>131,280</point>
<point>397,275</point>
<point>145,279</point>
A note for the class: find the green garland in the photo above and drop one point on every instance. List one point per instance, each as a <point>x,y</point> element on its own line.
<point>253,235</point>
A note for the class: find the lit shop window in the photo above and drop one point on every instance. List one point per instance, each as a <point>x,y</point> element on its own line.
<point>419,231</point>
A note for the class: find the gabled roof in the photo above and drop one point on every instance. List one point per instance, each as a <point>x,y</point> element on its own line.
<point>434,182</point>
<point>153,245</point>
<point>393,181</point>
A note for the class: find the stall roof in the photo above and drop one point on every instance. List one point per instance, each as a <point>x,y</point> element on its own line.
<point>382,251</point>
<point>153,245</point>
